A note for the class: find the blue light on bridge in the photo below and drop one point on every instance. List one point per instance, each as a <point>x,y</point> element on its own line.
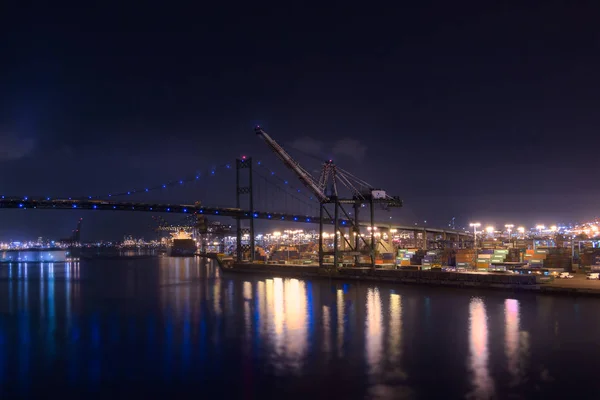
<point>132,207</point>
<point>185,210</point>
<point>272,173</point>
<point>47,198</point>
<point>25,198</point>
<point>343,222</point>
<point>295,218</point>
<point>258,162</point>
<point>146,189</point>
<point>197,176</point>
<point>21,205</point>
<point>89,197</point>
<point>212,172</point>
<point>181,182</point>
<point>109,195</point>
<point>255,215</point>
<point>282,217</point>
<point>128,192</point>
<point>216,212</point>
<point>298,190</point>
<point>201,211</point>
<point>286,182</point>
<point>114,207</point>
<point>269,216</point>
<point>95,206</point>
<point>164,186</point>
<point>74,205</point>
<point>168,209</point>
<point>307,219</point>
<point>150,208</point>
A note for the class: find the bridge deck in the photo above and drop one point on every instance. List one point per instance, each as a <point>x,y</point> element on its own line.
<point>51,204</point>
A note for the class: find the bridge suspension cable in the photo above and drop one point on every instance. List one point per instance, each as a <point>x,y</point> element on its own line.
<point>169,184</point>
<point>311,206</point>
<point>285,182</point>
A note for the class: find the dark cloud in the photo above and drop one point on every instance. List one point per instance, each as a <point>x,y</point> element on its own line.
<point>308,145</point>
<point>345,147</point>
<point>350,148</point>
<point>14,148</point>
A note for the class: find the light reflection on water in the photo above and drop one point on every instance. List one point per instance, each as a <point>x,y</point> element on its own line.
<point>174,324</point>
<point>511,315</point>
<point>374,332</point>
<point>478,344</point>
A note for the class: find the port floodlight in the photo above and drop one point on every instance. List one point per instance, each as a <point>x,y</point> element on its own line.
<point>521,229</point>
<point>509,226</point>
<point>553,228</point>
<point>489,229</point>
<point>540,227</point>
<point>475,225</point>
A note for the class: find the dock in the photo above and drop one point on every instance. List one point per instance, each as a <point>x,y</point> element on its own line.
<point>577,286</point>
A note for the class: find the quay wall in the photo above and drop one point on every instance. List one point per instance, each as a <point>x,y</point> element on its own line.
<point>506,282</point>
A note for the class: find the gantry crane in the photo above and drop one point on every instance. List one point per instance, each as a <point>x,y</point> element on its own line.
<point>325,189</point>
<point>77,232</point>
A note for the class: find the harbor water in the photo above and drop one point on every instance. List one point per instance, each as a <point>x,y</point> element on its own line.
<point>181,328</point>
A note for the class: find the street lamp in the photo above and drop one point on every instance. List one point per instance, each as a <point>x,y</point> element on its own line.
<point>475,226</point>
<point>509,229</point>
<point>521,230</point>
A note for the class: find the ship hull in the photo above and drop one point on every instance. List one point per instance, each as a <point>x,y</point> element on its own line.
<point>182,248</point>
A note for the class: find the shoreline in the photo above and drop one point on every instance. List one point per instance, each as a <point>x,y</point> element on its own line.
<point>484,281</point>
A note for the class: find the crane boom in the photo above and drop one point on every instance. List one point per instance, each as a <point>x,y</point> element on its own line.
<point>306,179</point>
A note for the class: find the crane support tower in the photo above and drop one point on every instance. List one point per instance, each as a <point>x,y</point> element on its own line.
<point>77,232</point>
<point>325,190</point>
<point>244,224</point>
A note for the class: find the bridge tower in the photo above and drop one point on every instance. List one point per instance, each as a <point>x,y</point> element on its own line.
<point>244,194</point>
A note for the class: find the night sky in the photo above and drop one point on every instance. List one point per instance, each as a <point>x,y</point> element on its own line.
<point>464,110</point>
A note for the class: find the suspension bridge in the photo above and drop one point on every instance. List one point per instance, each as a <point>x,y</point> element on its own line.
<point>315,201</point>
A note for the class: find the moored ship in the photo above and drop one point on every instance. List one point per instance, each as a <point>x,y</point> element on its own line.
<point>181,245</point>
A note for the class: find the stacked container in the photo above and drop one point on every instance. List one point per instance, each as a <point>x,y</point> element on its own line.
<point>559,258</point>
<point>403,257</point>
<point>408,257</point>
<point>465,258</point>
<point>535,258</point>
<point>591,258</point>
<point>499,256</point>
<point>432,259</point>
<point>514,255</point>
<point>484,259</point>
